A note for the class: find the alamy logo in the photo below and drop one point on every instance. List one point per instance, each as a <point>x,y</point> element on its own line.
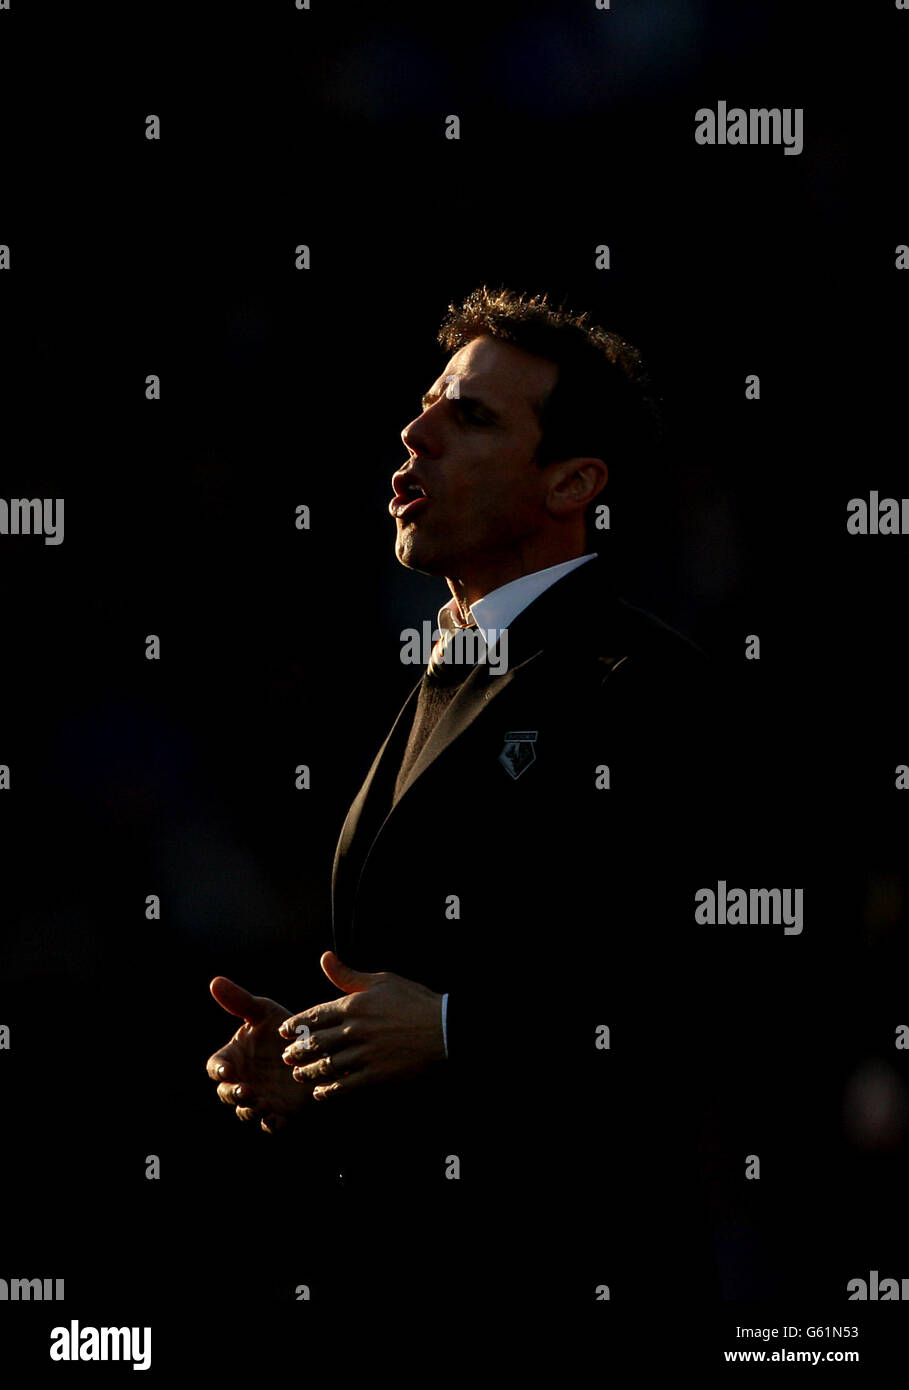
<point>758,125</point>
<point>35,516</point>
<point>877,1291</point>
<point>27,1290</point>
<point>470,647</point>
<point>102,1344</point>
<point>879,516</point>
<point>743,907</point>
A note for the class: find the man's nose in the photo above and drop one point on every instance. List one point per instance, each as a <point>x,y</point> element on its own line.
<point>422,435</point>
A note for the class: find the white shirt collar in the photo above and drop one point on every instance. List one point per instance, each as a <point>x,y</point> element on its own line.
<point>495,610</point>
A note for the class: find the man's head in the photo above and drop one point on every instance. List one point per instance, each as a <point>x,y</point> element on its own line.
<point>516,440</point>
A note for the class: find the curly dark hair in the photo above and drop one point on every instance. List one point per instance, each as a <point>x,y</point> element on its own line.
<point>603,404</point>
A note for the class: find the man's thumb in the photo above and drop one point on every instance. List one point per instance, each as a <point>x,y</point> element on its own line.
<point>349,980</point>
<point>237,1000</point>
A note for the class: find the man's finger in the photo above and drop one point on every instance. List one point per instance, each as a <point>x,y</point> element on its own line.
<point>317,1044</point>
<point>319,1016</point>
<point>233,1094</point>
<point>250,1112</point>
<point>220,1067</point>
<point>333,1065</point>
<point>330,1090</point>
<point>344,976</point>
<point>237,1000</point>
<point>273,1124</point>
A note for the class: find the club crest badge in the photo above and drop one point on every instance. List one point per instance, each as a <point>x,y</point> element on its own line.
<point>518,753</point>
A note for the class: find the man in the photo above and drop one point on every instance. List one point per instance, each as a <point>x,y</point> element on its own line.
<point>512,890</point>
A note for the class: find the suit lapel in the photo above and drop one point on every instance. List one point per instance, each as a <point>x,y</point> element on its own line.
<point>473,697</point>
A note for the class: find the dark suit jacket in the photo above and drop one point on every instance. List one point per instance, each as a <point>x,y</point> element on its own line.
<point>549,906</point>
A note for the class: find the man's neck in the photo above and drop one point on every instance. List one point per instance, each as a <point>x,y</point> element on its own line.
<point>489,577</point>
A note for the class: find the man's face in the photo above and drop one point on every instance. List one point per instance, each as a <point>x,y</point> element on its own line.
<point>472,453</point>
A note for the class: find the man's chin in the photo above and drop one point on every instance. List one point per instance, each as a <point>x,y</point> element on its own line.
<point>414,556</point>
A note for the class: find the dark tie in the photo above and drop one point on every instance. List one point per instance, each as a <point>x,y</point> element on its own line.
<point>453,658</point>
<point>454,655</point>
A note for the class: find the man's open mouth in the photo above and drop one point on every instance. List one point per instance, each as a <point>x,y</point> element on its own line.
<point>409,498</point>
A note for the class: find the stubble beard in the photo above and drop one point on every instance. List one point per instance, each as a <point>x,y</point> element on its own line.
<point>413,556</point>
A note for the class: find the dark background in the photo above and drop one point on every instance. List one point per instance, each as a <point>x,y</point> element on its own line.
<point>282,387</point>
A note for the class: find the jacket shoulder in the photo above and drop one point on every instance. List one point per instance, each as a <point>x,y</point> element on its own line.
<point>646,639</point>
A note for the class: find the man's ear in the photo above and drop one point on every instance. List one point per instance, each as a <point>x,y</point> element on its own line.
<point>574,483</point>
